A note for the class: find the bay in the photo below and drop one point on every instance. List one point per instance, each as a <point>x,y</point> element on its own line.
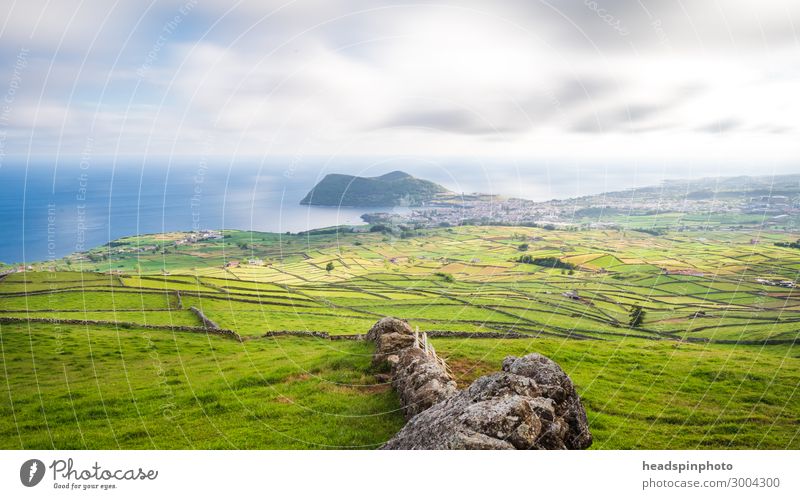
<point>49,209</point>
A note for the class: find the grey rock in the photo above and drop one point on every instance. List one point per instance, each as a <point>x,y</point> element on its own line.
<point>531,404</point>
<point>391,344</point>
<point>419,378</point>
<point>208,323</point>
<point>420,381</point>
<point>555,385</point>
<point>388,325</point>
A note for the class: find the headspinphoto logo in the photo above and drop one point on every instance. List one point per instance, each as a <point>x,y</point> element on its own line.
<point>31,472</point>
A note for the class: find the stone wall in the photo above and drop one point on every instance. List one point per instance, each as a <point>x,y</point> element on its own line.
<point>468,334</point>
<point>208,323</point>
<point>314,334</point>
<point>125,325</point>
<point>419,376</point>
<point>530,404</point>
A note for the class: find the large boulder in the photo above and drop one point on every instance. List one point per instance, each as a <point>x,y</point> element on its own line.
<point>531,404</point>
<point>557,386</point>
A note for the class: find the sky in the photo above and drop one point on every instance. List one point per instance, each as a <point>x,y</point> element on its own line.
<point>594,80</point>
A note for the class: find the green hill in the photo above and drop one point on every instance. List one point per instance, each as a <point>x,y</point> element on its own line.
<point>115,357</point>
<point>392,189</point>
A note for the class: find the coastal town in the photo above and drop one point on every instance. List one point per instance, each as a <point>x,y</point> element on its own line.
<point>167,240</point>
<point>614,210</point>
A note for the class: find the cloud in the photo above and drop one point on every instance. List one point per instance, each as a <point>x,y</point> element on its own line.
<point>457,121</point>
<point>529,78</point>
<point>634,117</point>
<point>606,27</point>
<point>720,126</point>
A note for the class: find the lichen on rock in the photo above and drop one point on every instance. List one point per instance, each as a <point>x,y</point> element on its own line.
<point>530,404</point>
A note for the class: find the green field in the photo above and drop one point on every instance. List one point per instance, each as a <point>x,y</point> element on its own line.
<point>713,365</point>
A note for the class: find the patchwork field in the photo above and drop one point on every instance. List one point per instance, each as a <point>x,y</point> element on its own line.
<point>714,363</point>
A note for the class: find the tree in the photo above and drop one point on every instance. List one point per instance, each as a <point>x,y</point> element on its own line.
<point>444,275</point>
<point>329,267</point>
<point>523,247</point>
<point>636,316</point>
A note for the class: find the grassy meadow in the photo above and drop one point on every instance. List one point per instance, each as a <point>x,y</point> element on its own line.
<point>713,365</point>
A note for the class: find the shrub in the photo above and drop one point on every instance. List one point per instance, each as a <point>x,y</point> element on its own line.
<point>445,276</point>
<point>636,316</point>
<point>794,245</point>
<point>550,261</point>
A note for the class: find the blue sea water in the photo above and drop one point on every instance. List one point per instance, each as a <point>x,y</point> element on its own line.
<point>48,212</point>
<point>49,209</point>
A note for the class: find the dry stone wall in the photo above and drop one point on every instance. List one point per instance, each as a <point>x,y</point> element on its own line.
<point>530,404</point>
<point>127,325</point>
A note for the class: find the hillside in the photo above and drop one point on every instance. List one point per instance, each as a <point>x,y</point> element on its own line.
<point>392,189</point>
<point>735,202</point>
<point>713,365</point>
<point>701,285</point>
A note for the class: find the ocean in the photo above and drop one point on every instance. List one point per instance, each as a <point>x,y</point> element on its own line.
<point>50,209</point>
